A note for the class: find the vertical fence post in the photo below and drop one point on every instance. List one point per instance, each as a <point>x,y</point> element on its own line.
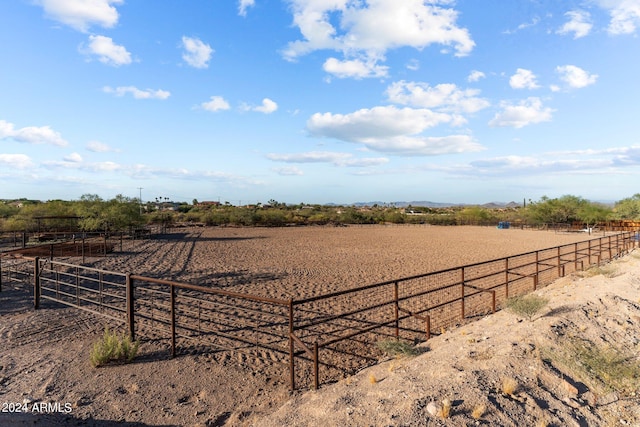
<point>36,283</point>
<point>462,293</point>
<point>428,326</point>
<point>316,378</point>
<point>506,277</point>
<point>535,279</point>
<point>292,368</point>
<point>173,321</point>
<point>559,263</point>
<point>0,274</point>
<point>396,308</point>
<point>130,306</point>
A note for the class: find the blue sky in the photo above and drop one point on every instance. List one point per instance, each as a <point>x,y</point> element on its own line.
<point>320,101</point>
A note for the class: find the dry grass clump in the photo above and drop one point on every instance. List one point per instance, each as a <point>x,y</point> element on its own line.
<point>608,271</point>
<point>509,386</point>
<point>113,347</point>
<point>445,409</point>
<point>602,368</point>
<point>398,348</point>
<point>478,411</point>
<point>526,305</point>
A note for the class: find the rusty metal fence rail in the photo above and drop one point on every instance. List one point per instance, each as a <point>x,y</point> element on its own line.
<point>334,333</point>
<point>319,338</point>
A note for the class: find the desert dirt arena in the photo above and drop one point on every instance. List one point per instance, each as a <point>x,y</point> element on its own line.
<point>46,353</point>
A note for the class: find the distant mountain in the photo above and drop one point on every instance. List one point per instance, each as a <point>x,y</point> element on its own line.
<point>428,204</point>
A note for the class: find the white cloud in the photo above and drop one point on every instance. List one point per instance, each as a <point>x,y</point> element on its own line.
<point>138,93</point>
<point>99,147</point>
<point>81,14</point>
<point>355,68</point>
<point>244,5</point>
<point>16,161</point>
<point>107,51</point>
<point>625,15</point>
<point>335,158</point>
<point>73,158</point>
<point>216,103</point>
<point>475,76</point>
<point>523,79</point>
<point>413,65</point>
<point>289,171</point>
<point>268,106</point>
<point>364,31</point>
<point>579,24</point>
<point>528,111</point>
<point>390,129</point>
<point>197,53</point>
<point>576,77</point>
<point>444,97</point>
<point>31,134</point>
<point>604,161</point>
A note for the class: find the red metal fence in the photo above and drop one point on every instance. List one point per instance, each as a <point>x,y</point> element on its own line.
<point>319,338</point>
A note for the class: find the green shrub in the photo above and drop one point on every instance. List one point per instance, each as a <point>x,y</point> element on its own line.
<point>113,347</point>
<point>603,368</point>
<point>526,305</point>
<point>398,348</point>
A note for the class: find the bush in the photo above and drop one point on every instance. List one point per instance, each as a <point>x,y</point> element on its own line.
<point>113,347</point>
<point>398,348</point>
<point>526,305</point>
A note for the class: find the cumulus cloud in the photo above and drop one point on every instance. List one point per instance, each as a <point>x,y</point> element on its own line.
<point>81,14</point>
<point>576,77</point>
<point>444,97</point>
<point>392,130</point>
<point>83,166</point>
<point>267,107</point>
<point>527,112</point>
<point>288,171</point>
<point>523,79</point>
<point>364,31</point>
<point>196,52</point>
<point>243,5</point>
<point>625,15</point>
<point>475,76</point>
<point>107,51</point>
<point>73,158</point>
<point>137,93</point>
<point>604,161</point>
<point>16,161</point>
<point>99,147</point>
<point>31,134</point>
<point>215,103</point>
<point>579,24</point>
<point>333,157</point>
<point>355,68</point>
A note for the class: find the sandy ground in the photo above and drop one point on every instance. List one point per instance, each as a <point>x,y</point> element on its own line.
<point>44,365</point>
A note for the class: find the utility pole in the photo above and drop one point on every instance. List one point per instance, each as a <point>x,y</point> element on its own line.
<point>140,188</point>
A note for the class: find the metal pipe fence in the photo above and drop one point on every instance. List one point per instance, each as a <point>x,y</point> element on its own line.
<point>318,338</point>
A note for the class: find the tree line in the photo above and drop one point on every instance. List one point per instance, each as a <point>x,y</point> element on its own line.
<point>92,213</point>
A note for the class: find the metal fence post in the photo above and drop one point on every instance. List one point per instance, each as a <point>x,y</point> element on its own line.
<point>173,321</point>
<point>36,283</point>
<point>506,278</point>
<point>292,368</point>
<point>130,306</point>
<point>396,308</point>
<point>462,293</point>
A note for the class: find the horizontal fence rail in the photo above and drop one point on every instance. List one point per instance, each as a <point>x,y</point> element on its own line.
<point>319,338</point>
